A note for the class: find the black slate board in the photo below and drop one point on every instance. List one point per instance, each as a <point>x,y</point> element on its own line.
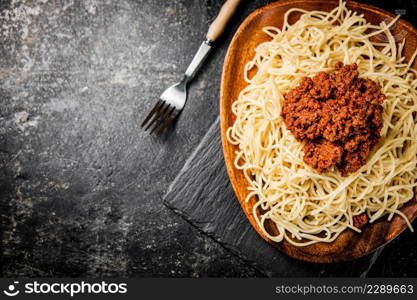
<point>202,194</point>
<point>399,257</point>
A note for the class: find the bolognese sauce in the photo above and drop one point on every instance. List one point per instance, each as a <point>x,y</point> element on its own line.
<point>338,115</point>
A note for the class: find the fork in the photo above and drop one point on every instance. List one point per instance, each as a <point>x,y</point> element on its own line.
<point>173,99</point>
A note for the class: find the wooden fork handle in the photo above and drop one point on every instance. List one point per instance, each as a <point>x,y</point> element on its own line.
<point>219,24</point>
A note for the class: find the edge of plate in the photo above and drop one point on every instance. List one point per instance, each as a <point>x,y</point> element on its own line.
<point>224,126</point>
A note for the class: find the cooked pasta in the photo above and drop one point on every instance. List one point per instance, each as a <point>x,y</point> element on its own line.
<point>307,207</point>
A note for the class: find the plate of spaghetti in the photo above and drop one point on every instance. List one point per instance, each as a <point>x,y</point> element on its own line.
<point>319,126</point>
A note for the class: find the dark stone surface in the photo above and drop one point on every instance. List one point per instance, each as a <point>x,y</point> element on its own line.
<point>80,183</point>
<point>399,258</point>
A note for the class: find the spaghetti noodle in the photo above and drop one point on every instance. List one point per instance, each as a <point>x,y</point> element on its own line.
<point>304,206</point>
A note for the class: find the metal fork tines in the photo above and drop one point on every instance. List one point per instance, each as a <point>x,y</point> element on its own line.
<point>160,117</point>
<point>173,99</point>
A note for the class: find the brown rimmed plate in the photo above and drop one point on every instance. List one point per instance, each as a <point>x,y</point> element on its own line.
<point>349,245</point>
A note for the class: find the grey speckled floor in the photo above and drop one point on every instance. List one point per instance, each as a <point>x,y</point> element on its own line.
<point>80,183</point>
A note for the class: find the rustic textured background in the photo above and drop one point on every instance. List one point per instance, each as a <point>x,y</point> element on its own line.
<point>83,191</point>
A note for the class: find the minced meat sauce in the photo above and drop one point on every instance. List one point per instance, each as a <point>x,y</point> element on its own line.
<point>338,115</point>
